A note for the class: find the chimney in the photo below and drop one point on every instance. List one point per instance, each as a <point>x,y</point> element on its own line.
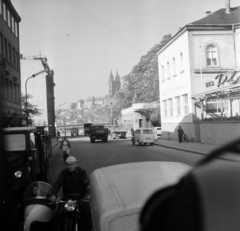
<point>208,13</point>
<point>228,9</point>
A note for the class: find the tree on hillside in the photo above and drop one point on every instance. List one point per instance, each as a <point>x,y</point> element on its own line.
<point>142,83</point>
<point>73,106</point>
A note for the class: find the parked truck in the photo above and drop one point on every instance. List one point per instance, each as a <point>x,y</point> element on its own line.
<point>118,131</point>
<point>98,132</point>
<point>27,151</point>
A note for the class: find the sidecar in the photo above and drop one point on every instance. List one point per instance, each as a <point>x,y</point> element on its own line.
<point>119,192</point>
<point>38,211</point>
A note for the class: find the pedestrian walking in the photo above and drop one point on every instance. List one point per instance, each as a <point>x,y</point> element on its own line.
<point>58,135</point>
<point>180,134</point>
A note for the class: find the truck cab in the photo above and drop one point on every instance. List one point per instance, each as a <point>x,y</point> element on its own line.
<point>27,150</point>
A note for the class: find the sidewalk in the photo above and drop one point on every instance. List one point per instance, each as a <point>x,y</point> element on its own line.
<point>197,148</point>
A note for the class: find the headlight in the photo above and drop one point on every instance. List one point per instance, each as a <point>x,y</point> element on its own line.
<point>70,206</point>
<point>18,174</point>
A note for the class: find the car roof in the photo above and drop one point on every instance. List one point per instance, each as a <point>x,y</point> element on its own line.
<point>18,129</point>
<point>121,190</point>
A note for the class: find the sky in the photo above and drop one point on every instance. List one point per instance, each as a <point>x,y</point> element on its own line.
<point>84,40</point>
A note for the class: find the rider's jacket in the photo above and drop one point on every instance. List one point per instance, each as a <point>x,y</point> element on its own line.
<point>65,143</point>
<point>72,182</point>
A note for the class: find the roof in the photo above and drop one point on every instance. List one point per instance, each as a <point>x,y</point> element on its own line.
<point>220,17</point>
<point>119,192</point>
<point>18,129</point>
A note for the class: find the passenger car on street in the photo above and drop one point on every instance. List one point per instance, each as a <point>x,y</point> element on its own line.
<point>143,136</point>
<point>119,192</point>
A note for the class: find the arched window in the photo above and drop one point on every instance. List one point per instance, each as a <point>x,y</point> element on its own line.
<point>181,61</point>
<point>168,70</point>
<point>174,66</point>
<point>212,55</point>
<point>163,78</point>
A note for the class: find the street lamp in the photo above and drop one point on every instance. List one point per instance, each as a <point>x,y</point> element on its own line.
<point>32,76</point>
<point>111,114</point>
<point>56,116</point>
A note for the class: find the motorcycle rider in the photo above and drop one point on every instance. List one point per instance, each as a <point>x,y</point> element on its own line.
<point>73,179</point>
<point>65,144</point>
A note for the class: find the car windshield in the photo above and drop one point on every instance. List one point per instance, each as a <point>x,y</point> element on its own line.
<point>15,142</point>
<point>38,190</point>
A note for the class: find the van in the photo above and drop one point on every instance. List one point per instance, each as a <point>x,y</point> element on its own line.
<point>143,136</point>
<point>158,131</point>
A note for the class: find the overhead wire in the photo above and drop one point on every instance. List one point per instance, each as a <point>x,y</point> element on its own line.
<point>96,19</point>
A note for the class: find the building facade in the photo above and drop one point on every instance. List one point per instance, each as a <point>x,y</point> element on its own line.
<point>41,88</point>
<point>200,79</point>
<point>10,77</point>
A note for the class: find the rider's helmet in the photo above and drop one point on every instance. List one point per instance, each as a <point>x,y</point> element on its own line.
<point>207,198</point>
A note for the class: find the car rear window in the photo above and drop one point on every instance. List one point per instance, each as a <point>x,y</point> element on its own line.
<point>147,131</point>
<point>14,142</point>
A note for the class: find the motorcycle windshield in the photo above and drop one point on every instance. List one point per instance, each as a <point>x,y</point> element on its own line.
<point>38,190</point>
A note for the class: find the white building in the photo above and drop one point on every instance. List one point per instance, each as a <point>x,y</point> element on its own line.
<point>192,68</point>
<point>132,119</point>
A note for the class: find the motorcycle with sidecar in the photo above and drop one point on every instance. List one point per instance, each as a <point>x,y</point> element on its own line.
<point>42,214</point>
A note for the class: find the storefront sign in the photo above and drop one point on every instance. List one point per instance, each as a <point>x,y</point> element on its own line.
<point>231,77</point>
<point>175,89</point>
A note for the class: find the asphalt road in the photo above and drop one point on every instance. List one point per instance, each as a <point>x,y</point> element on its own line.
<point>91,156</point>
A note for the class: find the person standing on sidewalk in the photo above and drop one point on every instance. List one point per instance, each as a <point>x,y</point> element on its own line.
<point>180,134</point>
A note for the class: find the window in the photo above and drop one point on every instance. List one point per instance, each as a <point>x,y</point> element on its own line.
<point>9,18</point>
<point>174,66</point>
<point>16,29</point>
<point>10,91</point>
<point>16,60</point>
<point>13,24</point>
<point>2,86</point>
<point>181,61</point>
<point>164,108</point>
<point>1,7</point>
<point>185,104</point>
<point>14,93</point>
<point>15,142</point>
<point>163,77</point>
<point>5,48</point>
<point>0,43</point>
<point>17,94</point>
<point>210,84</point>
<point>178,106</point>
<point>214,106</point>
<point>9,53</point>
<point>13,56</point>
<point>4,12</point>
<point>212,56</point>
<point>170,106</point>
<point>168,70</point>
<point>147,131</point>
<point>6,88</point>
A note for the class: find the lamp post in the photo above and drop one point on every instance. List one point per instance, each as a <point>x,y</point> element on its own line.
<point>111,114</point>
<point>56,116</point>
<point>32,76</point>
